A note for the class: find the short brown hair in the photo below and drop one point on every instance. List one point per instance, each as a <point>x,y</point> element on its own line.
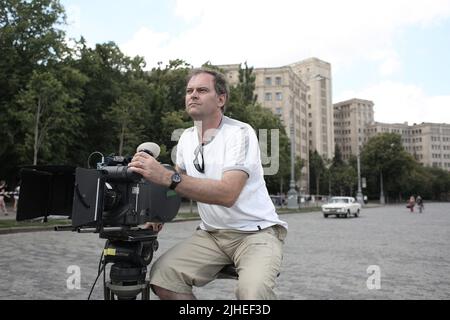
<point>220,82</point>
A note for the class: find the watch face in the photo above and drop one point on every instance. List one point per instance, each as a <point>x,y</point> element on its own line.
<point>176,177</point>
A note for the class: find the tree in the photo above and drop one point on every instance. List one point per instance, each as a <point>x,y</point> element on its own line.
<point>126,114</point>
<point>166,95</point>
<point>346,176</point>
<point>30,40</point>
<point>384,157</point>
<point>47,109</point>
<point>117,87</point>
<point>246,87</point>
<point>337,159</point>
<point>298,167</point>
<point>440,184</point>
<point>316,168</point>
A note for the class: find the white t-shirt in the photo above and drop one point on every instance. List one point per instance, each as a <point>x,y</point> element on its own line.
<point>233,147</point>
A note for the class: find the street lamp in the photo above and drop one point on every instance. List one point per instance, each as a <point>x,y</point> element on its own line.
<point>328,165</point>
<point>359,195</point>
<point>382,200</point>
<point>292,202</point>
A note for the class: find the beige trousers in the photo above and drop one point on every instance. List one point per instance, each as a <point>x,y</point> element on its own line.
<point>257,256</point>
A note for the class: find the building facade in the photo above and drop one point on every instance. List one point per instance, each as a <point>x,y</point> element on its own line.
<point>428,143</point>
<point>351,118</point>
<point>317,76</point>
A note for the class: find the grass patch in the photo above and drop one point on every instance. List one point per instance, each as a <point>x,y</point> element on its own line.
<point>300,210</point>
<point>32,223</point>
<point>187,215</point>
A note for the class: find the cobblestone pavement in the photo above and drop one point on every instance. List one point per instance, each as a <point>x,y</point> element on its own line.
<point>323,258</point>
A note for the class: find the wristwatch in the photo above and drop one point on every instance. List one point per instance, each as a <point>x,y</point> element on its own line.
<point>176,179</point>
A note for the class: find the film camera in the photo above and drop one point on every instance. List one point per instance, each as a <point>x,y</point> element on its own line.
<point>110,200</point>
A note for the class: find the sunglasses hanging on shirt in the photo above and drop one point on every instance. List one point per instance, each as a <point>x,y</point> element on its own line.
<point>199,166</point>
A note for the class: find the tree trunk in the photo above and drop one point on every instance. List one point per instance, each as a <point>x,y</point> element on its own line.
<point>122,135</point>
<point>36,132</point>
<point>317,184</point>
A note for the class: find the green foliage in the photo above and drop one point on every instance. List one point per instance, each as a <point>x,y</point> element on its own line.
<point>166,95</point>
<point>316,168</point>
<point>126,114</point>
<point>30,41</point>
<point>45,113</point>
<point>384,155</point>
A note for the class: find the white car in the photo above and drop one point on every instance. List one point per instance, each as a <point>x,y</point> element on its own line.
<point>341,207</point>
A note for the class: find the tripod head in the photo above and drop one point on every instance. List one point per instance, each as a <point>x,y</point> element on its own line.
<point>130,252</point>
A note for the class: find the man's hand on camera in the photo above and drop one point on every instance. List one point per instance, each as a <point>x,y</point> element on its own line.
<point>150,169</point>
<point>155,226</point>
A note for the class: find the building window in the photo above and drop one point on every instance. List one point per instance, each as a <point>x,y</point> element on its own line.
<point>279,96</point>
<point>279,110</point>
<point>268,81</point>
<point>268,96</point>
<point>278,81</point>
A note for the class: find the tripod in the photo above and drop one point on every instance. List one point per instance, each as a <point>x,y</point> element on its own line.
<point>130,254</point>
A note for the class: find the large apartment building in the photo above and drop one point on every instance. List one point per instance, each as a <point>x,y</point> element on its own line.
<point>351,118</point>
<point>283,92</point>
<point>354,125</point>
<point>428,143</point>
<point>317,76</point>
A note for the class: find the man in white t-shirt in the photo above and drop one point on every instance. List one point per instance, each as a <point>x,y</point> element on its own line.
<point>218,165</point>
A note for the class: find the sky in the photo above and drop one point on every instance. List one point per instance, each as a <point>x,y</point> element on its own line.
<point>395,53</point>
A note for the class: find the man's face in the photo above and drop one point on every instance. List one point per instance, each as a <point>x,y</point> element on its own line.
<point>202,99</point>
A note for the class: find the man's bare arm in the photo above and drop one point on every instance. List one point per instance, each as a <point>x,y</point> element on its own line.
<point>223,192</point>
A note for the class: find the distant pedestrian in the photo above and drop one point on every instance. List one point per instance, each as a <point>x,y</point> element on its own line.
<point>411,203</point>
<point>419,202</point>
<point>16,197</point>
<point>3,194</point>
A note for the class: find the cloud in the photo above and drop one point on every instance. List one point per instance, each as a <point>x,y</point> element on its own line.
<point>73,13</point>
<point>388,61</point>
<point>274,33</point>
<point>150,44</point>
<point>397,102</point>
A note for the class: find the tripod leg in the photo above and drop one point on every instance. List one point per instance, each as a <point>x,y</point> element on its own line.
<point>108,294</point>
<point>146,292</point>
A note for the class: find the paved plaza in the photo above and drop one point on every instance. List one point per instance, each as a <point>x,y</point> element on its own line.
<point>323,258</point>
